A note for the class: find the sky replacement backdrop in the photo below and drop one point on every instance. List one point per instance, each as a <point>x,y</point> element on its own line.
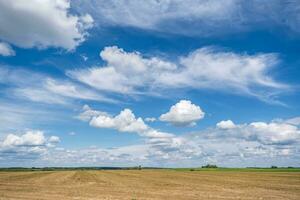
<point>165,83</point>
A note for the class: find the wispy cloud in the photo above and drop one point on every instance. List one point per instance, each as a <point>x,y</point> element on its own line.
<point>36,87</point>
<point>195,17</point>
<point>205,68</point>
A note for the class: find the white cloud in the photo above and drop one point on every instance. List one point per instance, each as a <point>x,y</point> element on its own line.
<point>30,145</point>
<point>159,15</point>
<point>239,71</point>
<point>195,17</point>
<point>36,87</point>
<point>6,50</point>
<point>183,113</point>
<point>294,121</point>
<point>39,95</point>
<point>150,119</point>
<point>30,138</point>
<point>42,24</point>
<point>69,89</point>
<point>125,72</point>
<point>89,113</point>
<point>226,124</point>
<point>274,133</point>
<point>14,140</point>
<point>54,139</point>
<point>125,121</point>
<point>72,133</point>
<point>205,68</point>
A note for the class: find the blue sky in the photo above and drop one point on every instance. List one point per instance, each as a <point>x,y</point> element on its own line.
<point>159,83</point>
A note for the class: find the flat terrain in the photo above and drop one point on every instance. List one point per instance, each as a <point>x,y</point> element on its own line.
<point>149,184</point>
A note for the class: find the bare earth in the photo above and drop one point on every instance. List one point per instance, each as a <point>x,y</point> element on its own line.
<point>149,184</point>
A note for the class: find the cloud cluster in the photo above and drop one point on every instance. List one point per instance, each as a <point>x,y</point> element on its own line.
<point>255,142</point>
<point>183,113</point>
<point>261,143</point>
<point>158,144</point>
<point>31,144</point>
<point>125,121</point>
<point>195,17</point>
<point>235,142</point>
<point>205,68</point>
<point>28,139</point>
<point>273,133</point>
<point>42,24</point>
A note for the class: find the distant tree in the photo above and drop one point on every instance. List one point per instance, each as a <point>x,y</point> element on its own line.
<point>274,167</point>
<point>210,166</point>
<point>140,167</point>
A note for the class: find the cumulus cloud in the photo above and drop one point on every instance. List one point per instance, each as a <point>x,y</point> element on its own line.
<point>226,124</point>
<point>31,144</point>
<point>6,50</point>
<point>183,113</point>
<point>125,121</point>
<point>273,133</point>
<point>262,143</point>
<point>28,139</point>
<point>195,17</point>
<point>42,24</point>
<point>205,68</point>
